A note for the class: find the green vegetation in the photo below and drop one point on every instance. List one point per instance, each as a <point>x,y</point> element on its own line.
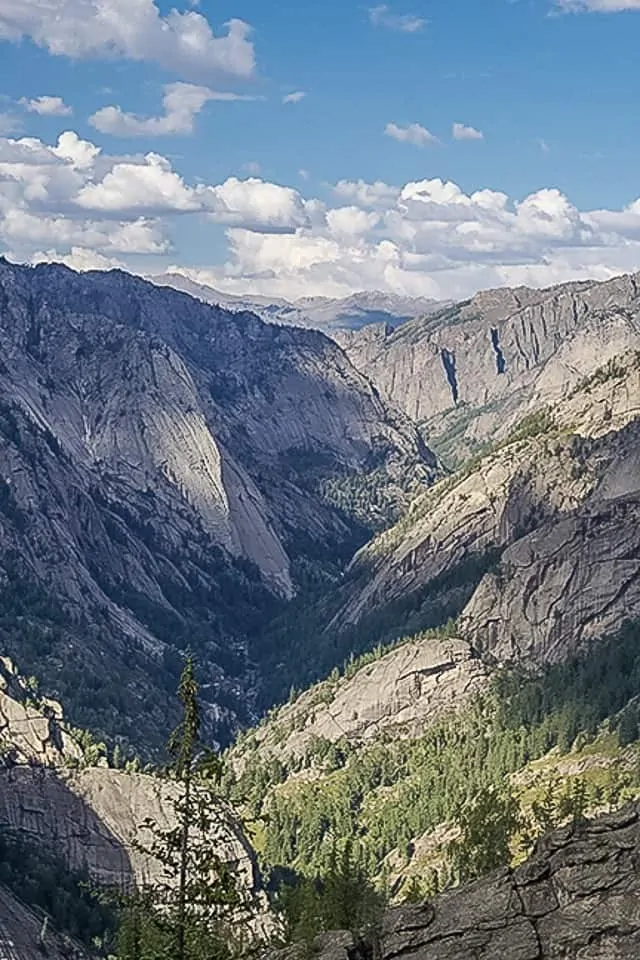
<point>385,795</point>
<point>342,899</point>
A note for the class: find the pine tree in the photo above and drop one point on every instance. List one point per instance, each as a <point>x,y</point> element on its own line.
<point>487,824</point>
<point>195,909</point>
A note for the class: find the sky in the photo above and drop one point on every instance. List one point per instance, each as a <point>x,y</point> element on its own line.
<point>287,148</point>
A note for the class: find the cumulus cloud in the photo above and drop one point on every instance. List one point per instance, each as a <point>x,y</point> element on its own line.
<point>597,6</point>
<point>414,133</point>
<point>78,258</point>
<point>294,97</point>
<point>255,204</point>
<point>382,16</point>
<point>150,186</point>
<point>462,132</point>
<point>377,194</point>
<point>183,43</point>
<point>429,237</point>
<point>47,106</point>
<point>351,222</point>
<point>181,103</point>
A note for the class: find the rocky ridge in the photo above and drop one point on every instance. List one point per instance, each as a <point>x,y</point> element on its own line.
<point>558,501</point>
<point>468,373</point>
<point>576,898</point>
<point>322,313</point>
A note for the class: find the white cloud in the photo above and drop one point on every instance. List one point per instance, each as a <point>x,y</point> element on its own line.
<point>414,133</point>
<point>254,204</point>
<point>597,6</point>
<point>294,97</point>
<point>367,194</point>
<point>183,43</point>
<point>78,258</point>
<point>79,153</point>
<point>181,103</point>
<point>351,222</point>
<point>462,132</point>
<point>383,16</point>
<point>150,186</point>
<point>428,237</point>
<point>47,106</point>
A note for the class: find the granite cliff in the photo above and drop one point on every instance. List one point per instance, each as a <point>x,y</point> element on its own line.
<point>63,805</point>
<point>470,372</point>
<point>170,474</point>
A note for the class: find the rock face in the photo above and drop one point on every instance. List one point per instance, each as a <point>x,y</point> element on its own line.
<point>577,898</point>
<point>397,695</point>
<point>558,503</point>
<point>22,936</point>
<point>163,475</point>
<point>92,817</point>
<point>468,373</point>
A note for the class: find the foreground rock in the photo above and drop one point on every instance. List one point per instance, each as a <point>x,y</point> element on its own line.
<point>576,898</point>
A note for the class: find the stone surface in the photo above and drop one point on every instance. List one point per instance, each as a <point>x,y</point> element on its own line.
<point>397,695</point>
<point>507,351</point>
<point>92,817</point>
<point>560,507</point>
<point>577,898</point>
<point>23,937</point>
<point>162,464</point>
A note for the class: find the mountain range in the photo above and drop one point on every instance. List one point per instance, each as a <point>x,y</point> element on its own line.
<point>405,554</point>
<point>322,313</point>
<point>171,474</point>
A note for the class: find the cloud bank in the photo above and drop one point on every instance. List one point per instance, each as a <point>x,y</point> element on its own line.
<point>183,43</point>
<point>72,201</point>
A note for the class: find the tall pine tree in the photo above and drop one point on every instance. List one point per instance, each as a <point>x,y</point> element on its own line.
<point>195,909</point>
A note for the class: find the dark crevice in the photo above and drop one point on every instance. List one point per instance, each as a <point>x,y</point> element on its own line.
<point>449,364</point>
<point>501,363</point>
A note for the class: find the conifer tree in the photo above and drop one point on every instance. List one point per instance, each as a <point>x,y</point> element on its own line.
<point>195,909</point>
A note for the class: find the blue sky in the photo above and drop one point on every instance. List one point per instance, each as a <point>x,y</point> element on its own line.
<point>550,90</point>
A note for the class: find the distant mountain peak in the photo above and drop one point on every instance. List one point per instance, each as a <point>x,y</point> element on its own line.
<point>353,312</point>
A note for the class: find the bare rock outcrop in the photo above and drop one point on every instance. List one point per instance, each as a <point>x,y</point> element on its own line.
<point>576,898</point>
<point>92,818</point>
<point>554,509</point>
<point>396,695</point>
<point>24,935</point>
